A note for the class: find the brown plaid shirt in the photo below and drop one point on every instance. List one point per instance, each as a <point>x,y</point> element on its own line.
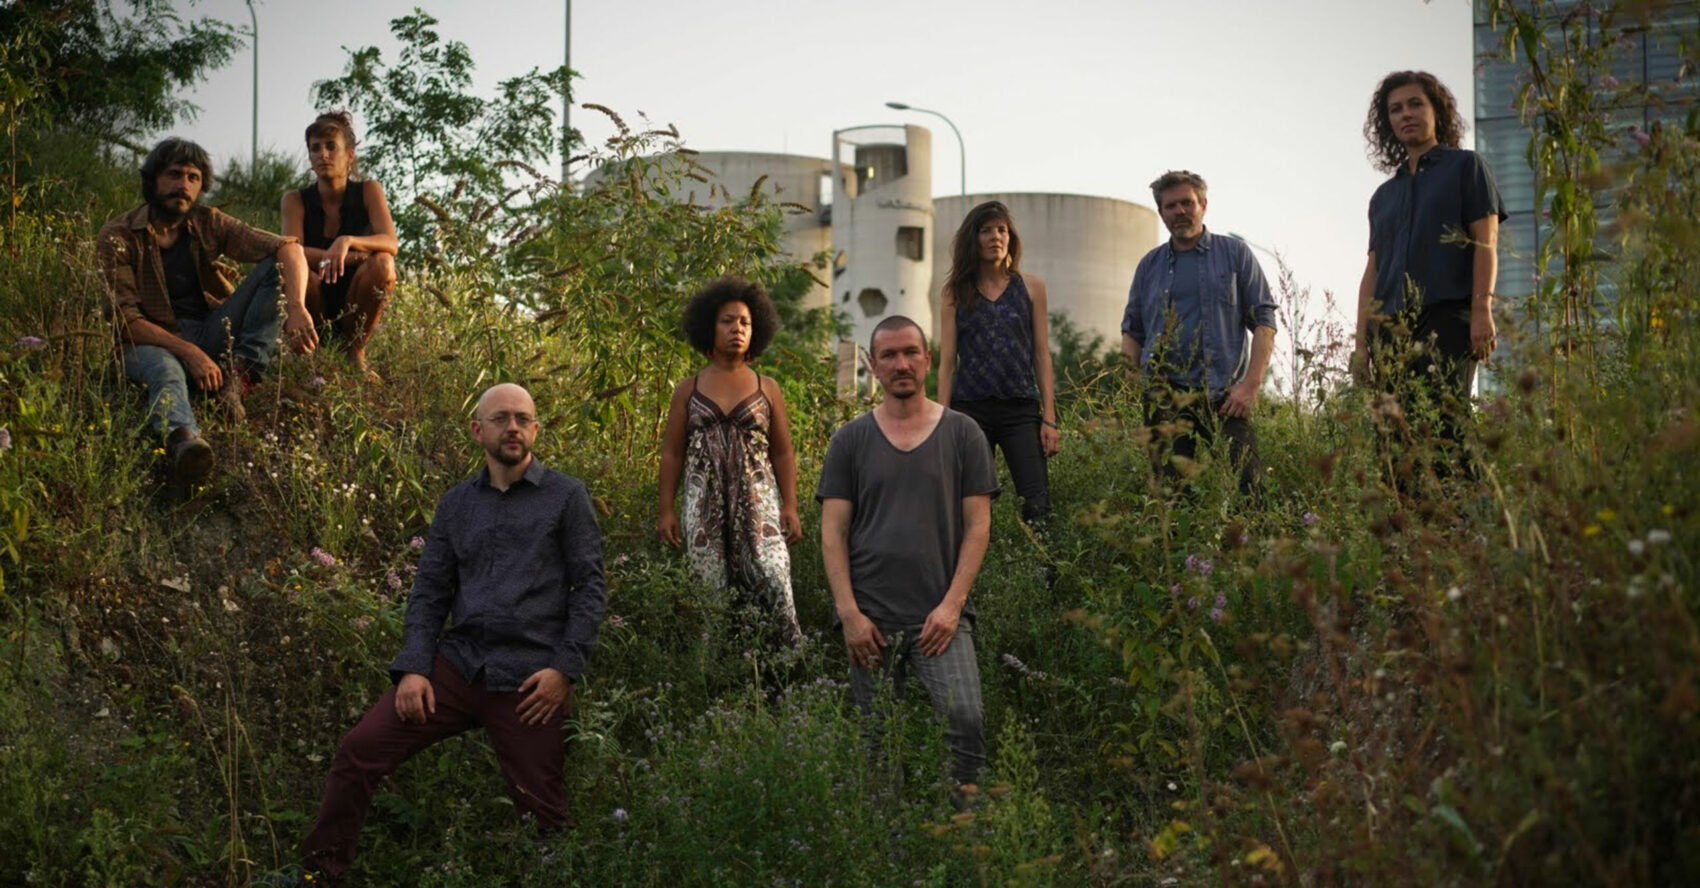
<point>135,272</point>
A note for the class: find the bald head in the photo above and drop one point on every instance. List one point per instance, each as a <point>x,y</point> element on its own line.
<point>505,392</point>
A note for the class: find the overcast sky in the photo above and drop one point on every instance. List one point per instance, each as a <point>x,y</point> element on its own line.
<point>1264,98</point>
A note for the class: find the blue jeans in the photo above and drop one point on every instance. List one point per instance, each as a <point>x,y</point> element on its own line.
<point>241,335</point>
<point>952,680</point>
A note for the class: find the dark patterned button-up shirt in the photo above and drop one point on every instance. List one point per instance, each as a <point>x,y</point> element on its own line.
<point>519,570</point>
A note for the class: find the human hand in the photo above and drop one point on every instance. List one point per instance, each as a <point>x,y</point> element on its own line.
<point>864,640</point>
<point>1050,440</point>
<point>547,692</point>
<point>205,371</point>
<point>299,334</point>
<point>414,699</point>
<point>335,262</point>
<point>1359,365</point>
<point>668,528</point>
<point>791,525</point>
<point>1484,334</point>
<point>1242,397</point>
<point>940,629</point>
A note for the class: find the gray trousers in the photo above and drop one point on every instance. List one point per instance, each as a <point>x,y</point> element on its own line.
<point>952,680</point>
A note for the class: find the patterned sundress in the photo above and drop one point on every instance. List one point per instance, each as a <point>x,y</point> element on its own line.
<point>733,536</point>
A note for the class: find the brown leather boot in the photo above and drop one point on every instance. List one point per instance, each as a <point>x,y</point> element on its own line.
<point>191,457</point>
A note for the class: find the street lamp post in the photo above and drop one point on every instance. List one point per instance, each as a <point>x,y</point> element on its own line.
<point>961,150</point>
<point>254,118</point>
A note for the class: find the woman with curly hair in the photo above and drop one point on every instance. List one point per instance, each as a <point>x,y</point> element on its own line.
<point>729,441</point>
<point>345,226</point>
<point>994,351</point>
<point>1433,239</point>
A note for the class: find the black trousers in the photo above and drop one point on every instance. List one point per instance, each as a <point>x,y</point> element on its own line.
<point>1433,380</point>
<point>1012,426</point>
<point>1165,405</point>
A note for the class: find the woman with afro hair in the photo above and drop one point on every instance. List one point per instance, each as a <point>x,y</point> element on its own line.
<point>728,441</point>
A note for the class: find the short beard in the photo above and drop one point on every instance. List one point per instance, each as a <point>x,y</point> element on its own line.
<point>501,457</point>
<point>904,395</point>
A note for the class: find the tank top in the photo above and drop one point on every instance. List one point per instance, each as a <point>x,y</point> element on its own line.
<point>994,346</point>
<point>353,221</point>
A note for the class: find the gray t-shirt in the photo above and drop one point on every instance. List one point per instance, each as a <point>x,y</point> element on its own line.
<point>907,526</point>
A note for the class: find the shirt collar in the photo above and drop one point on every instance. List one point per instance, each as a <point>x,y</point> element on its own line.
<point>1203,246</point>
<point>1429,158</point>
<point>533,474</point>
<point>137,219</point>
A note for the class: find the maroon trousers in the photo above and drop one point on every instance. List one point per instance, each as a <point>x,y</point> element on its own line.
<point>531,758</point>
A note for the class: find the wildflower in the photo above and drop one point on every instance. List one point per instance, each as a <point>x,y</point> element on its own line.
<point>30,342</point>
<point>619,815</point>
<point>5,439</point>
<point>316,381</point>
<point>1337,747</point>
<point>1591,530</point>
<point>1205,567</point>
<point>1606,516</point>
<point>615,621</point>
<point>323,557</point>
<point>392,580</point>
<point>621,558</point>
<point>362,623</point>
<point>1192,561</point>
<point>1454,593</point>
<point>1310,518</point>
<point>416,543</point>
<point>1636,547</point>
<point>1608,82</point>
<point>1640,136</point>
<point>1175,590</point>
<point>1658,537</point>
<point>1221,599</point>
<point>1014,662</point>
<point>1192,603</point>
<point>1217,614</point>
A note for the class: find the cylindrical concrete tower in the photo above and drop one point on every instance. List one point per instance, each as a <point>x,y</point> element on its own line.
<point>1084,247</point>
<point>882,226</point>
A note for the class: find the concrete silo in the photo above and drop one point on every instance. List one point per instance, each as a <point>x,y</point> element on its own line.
<point>882,226</point>
<point>1084,247</point>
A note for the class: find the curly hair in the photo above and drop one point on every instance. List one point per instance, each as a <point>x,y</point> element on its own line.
<point>1385,149</point>
<point>703,310</point>
<point>335,123</point>
<point>174,152</point>
<point>961,284</point>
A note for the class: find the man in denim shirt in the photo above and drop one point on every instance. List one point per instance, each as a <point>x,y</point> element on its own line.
<point>515,555</point>
<point>1192,303</point>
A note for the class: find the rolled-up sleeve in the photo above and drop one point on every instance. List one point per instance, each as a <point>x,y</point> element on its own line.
<point>433,595</point>
<point>587,593</point>
<point>1255,296</point>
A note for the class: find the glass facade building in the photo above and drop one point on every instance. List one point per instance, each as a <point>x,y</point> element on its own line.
<point>1649,53</point>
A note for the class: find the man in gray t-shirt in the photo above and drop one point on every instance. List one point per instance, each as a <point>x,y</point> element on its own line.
<point>906,494</point>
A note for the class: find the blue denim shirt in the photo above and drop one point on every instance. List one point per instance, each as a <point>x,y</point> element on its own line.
<point>1234,300</point>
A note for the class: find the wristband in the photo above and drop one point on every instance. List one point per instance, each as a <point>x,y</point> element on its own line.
<point>1051,424</point>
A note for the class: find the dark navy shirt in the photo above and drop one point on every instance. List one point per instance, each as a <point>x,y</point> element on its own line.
<point>994,346</point>
<point>1233,300</point>
<point>1419,226</point>
<point>520,571</point>
<point>182,282</point>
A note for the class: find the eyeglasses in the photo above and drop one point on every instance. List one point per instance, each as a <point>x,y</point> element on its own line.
<point>502,419</point>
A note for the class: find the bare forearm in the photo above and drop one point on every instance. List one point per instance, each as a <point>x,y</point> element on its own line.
<point>947,374</point>
<point>292,266</point>
<point>1130,353</point>
<point>145,332</point>
<point>835,557</point>
<point>672,467</point>
<point>1262,346</point>
<point>968,560</point>
<point>1484,275</point>
<point>785,472</point>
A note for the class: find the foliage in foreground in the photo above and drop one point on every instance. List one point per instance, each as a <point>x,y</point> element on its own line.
<point>1487,682</point>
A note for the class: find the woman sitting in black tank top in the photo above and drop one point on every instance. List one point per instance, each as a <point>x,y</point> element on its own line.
<point>345,226</point>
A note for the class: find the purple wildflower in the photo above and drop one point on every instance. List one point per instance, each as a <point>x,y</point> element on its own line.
<point>1221,599</point>
<point>1608,82</point>
<point>1205,567</point>
<point>1640,135</point>
<point>30,342</point>
<point>323,557</point>
<point>1192,603</point>
<point>393,580</point>
<point>1310,518</point>
<point>316,381</point>
<point>1217,614</point>
<point>1175,590</point>
<point>416,543</point>
<point>619,815</point>
<point>1192,561</point>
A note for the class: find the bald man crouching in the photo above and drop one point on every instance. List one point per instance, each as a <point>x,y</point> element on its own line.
<point>514,554</point>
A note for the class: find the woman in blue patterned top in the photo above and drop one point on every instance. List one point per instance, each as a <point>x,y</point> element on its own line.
<point>994,351</point>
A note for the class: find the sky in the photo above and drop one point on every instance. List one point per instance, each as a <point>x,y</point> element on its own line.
<point>1264,98</point>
